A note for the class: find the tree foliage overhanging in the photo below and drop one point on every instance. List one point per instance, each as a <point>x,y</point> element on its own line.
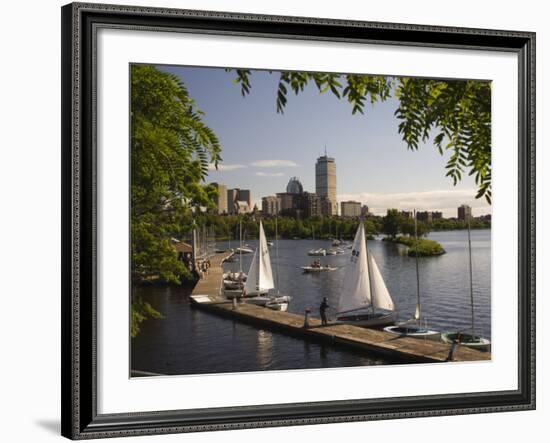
<point>455,114</point>
<point>171,149</point>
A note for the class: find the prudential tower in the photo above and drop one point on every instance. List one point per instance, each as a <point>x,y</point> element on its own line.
<point>325,180</point>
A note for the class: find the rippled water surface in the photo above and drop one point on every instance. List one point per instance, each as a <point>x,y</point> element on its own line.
<point>189,341</point>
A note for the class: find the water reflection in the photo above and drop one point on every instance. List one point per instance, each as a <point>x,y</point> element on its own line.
<point>264,349</point>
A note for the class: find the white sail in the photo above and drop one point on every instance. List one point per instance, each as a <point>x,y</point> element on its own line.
<point>356,287</point>
<point>265,281</point>
<point>260,275</point>
<point>381,297</point>
<point>251,285</point>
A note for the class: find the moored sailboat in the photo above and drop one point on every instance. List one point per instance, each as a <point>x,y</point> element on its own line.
<point>364,299</point>
<point>471,340</point>
<point>415,327</point>
<point>260,277</point>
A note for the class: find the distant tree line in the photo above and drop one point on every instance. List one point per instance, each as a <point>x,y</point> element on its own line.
<point>227,227</point>
<point>395,223</point>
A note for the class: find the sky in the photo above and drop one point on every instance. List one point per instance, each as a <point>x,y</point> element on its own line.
<point>262,150</point>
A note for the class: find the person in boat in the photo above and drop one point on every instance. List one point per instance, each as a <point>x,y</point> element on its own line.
<point>323,311</point>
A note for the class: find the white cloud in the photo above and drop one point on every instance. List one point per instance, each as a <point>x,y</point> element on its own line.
<point>445,201</point>
<point>269,174</point>
<point>225,167</point>
<point>274,164</point>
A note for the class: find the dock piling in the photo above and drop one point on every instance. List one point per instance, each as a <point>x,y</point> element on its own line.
<point>306,318</point>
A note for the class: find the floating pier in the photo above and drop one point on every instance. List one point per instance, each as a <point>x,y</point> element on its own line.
<point>207,295</point>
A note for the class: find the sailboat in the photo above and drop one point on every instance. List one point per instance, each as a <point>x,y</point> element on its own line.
<point>462,338</point>
<point>233,282</point>
<point>260,276</point>
<point>364,299</point>
<point>413,327</point>
<point>231,258</point>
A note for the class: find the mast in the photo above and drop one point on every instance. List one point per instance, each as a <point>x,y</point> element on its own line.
<point>471,279</point>
<point>241,245</point>
<point>417,314</point>
<point>368,270</point>
<point>277,252</point>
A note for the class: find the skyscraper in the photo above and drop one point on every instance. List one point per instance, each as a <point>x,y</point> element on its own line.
<point>221,199</point>
<point>325,180</point>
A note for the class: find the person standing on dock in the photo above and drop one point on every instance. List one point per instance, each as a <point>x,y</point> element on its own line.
<point>323,311</point>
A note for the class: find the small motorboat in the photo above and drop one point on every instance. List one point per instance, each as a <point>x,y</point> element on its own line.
<point>244,250</point>
<point>321,252</point>
<point>332,251</point>
<point>270,243</point>
<point>336,242</point>
<point>313,269</point>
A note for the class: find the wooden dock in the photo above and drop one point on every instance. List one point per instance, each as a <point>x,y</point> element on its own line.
<point>207,296</point>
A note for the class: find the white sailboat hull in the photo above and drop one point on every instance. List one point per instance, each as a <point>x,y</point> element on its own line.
<point>367,319</point>
<point>413,332</point>
<point>268,301</point>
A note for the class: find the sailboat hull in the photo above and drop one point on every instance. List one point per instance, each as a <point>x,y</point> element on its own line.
<point>269,301</point>
<point>413,332</point>
<point>462,339</point>
<point>367,319</point>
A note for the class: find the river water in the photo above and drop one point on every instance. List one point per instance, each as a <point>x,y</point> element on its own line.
<point>189,341</point>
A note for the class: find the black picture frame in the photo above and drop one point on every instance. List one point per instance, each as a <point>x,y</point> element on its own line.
<point>79,391</point>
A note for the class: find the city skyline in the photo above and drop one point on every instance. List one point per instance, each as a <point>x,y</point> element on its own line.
<point>262,150</point>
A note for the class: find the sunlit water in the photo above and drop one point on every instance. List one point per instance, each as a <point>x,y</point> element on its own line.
<point>189,341</point>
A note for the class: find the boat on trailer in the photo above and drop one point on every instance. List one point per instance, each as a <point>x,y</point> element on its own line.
<point>364,298</point>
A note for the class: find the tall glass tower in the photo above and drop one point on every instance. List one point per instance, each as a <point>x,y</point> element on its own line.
<point>325,180</point>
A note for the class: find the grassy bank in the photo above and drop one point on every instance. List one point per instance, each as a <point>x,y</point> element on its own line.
<point>426,248</point>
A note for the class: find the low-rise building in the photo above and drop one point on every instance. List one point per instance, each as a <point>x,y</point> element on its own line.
<point>424,216</point>
<point>464,212</point>
<point>271,205</point>
<point>350,209</point>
